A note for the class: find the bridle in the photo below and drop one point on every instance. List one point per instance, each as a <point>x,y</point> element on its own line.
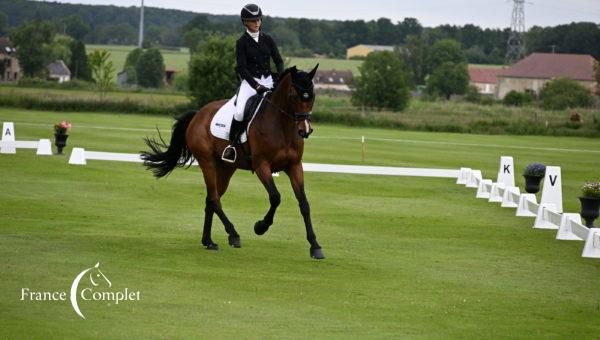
<point>297,116</point>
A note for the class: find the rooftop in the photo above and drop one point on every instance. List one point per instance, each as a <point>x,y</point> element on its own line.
<point>550,65</point>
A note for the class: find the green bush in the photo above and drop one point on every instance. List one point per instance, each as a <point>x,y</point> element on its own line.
<point>74,84</point>
<point>487,100</point>
<point>516,98</point>
<point>448,79</point>
<point>150,69</point>
<point>563,93</point>
<point>181,82</point>
<point>90,105</point>
<point>472,95</point>
<point>212,73</point>
<point>382,83</point>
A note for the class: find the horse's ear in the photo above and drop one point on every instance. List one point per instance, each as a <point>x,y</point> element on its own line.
<point>294,70</point>
<point>314,70</point>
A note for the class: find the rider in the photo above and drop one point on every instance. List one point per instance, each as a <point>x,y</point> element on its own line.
<point>254,50</point>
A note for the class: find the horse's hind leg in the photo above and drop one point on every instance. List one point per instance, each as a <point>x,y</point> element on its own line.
<point>212,177</point>
<point>264,174</point>
<point>224,174</point>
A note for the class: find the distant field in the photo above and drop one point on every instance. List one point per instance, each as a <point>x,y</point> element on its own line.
<point>327,64</point>
<point>174,59</point>
<point>178,59</point>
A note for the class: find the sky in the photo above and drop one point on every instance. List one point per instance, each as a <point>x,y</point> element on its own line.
<point>430,13</point>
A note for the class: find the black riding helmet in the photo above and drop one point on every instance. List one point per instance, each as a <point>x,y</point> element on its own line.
<point>251,12</point>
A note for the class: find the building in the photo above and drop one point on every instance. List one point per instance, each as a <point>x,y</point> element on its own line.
<point>122,79</point>
<point>58,71</point>
<point>484,78</point>
<point>10,70</point>
<point>333,80</point>
<point>531,73</point>
<point>363,50</point>
<point>169,76</point>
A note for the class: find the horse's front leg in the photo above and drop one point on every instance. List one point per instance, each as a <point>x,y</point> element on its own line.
<point>296,175</point>
<point>264,174</point>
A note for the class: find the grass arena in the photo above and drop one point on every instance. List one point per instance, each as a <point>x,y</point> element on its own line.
<point>406,256</point>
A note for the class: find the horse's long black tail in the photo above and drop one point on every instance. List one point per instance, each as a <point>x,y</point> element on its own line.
<point>175,154</point>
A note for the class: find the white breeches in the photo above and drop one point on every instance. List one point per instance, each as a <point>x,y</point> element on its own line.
<point>246,91</point>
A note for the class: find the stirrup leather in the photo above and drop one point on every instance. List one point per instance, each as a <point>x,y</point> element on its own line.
<point>234,153</point>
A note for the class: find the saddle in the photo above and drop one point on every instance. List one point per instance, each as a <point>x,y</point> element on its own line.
<point>253,105</point>
<point>221,122</point>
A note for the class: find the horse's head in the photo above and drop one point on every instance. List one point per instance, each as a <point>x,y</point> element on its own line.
<point>97,277</point>
<point>301,97</point>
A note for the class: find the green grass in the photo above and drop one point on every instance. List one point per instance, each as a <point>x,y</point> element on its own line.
<point>179,59</point>
<point>327,64</point>
<point>406,257</point>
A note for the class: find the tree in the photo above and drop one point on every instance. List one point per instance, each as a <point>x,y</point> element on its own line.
<point>76,27</point>
<point>32,41</point>
<point>131,63</point>
<point>3,23</point>
<point>386,32</point>
<point>415,56</point>
<point>448,79</point>
<point>150,69</point>
<point>212,69</point>
<point>382,83</point>
<point>444,51</point>
<point>78,64</point>
<point>408,27</point>
<point>563,93</point>
<point>153,35</point>
<point>61,48</point>
<point>102,70</point>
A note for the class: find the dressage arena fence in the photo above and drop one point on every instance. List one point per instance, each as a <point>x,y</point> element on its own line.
<point>548,213</point>
<point>9,145</point>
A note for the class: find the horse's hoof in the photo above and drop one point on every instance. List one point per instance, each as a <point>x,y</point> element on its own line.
<point>212,246</point>
<point>235,242</point>
<point>260,227</point>
<point>317,254</point>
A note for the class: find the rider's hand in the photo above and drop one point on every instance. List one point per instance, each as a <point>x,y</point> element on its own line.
<point>261,89</point>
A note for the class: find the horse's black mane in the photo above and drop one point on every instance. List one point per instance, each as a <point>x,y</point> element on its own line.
<point>300,79</point>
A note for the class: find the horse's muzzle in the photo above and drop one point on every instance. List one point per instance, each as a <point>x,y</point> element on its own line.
<point>305,134</point>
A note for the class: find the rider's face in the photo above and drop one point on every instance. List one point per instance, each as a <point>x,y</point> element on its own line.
<point>253,25</point>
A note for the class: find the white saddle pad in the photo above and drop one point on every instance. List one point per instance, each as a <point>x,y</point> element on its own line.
<point>221,122</point>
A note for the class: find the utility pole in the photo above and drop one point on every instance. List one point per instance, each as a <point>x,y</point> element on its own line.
<point>141,38</point>
<point>515,50</point>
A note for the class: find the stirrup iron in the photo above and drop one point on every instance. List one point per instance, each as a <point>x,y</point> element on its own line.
<point>234,154</point>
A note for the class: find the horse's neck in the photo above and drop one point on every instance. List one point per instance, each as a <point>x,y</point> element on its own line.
<point>276,114</point>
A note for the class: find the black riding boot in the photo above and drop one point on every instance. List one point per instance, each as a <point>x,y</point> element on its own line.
<point>229,154</point>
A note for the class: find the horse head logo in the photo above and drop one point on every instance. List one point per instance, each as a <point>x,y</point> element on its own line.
<point>96,279</point>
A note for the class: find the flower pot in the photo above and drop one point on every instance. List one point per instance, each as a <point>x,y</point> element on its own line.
<point>589,210</point>
<point>532,184</point>
<point>60,141</point>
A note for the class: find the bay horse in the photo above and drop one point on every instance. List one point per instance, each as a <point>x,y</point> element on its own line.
<point>275,143</point>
